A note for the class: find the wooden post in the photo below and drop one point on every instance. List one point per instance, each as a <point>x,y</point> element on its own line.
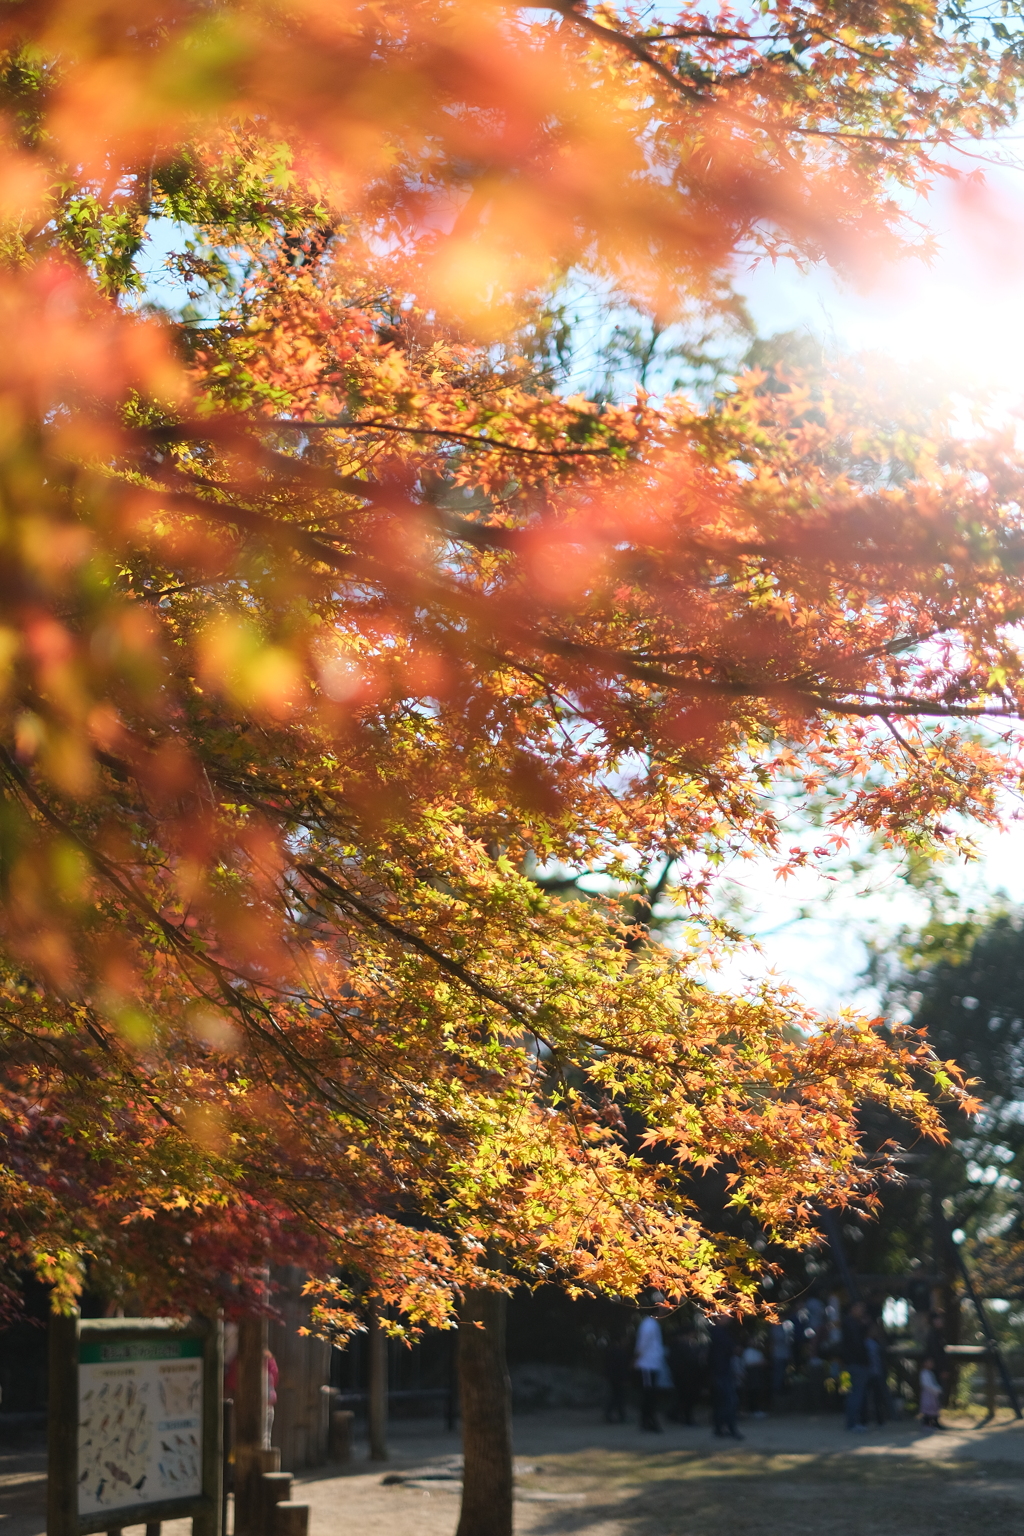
<point>990,1385</point>
<point>341,1434</point>
<point>291,1520</point>
<point>320,1449</point>
<point>227,1471</point>
<point>250,1424</point>
<point>302,1415</point>
<point>377,1407</point>
<point>62,1483</point>
<point>209,1523</point>
<point>275,1488</point>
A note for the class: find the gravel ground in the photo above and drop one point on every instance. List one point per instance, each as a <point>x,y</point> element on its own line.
<point>791,1476</point>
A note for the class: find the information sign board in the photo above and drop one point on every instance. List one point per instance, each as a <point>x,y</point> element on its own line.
<point>135,1424</point>
<point>140,1422</point>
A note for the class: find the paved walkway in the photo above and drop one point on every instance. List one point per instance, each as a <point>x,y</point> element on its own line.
<point>790,1476</point>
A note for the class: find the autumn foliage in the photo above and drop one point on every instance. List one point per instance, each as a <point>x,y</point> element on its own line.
<point>331,628</point>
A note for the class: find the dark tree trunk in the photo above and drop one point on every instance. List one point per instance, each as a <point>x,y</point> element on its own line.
<point>486,1417</point>
<point>377,1407</point>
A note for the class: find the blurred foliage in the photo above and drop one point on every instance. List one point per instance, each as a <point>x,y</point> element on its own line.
<point>344,638</point>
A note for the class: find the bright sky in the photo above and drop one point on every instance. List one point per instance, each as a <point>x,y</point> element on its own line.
<point>962,316</point>
<point>812,930</point>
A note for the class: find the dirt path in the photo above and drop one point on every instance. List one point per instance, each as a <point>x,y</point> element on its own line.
<point>789,1477</point>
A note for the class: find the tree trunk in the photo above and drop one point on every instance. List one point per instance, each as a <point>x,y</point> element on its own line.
<point>486,1417</point>
<point>377,1407</point>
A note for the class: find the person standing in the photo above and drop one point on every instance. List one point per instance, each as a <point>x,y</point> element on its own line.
<point>721,1363</point>
<point>780,1344</point>
<point>684,1365</point>
<point>272,1374</point>
<point>617,1359</point>
<point>853,1351</point>
<point>649,1360</point>
<point>876,1392</point>
<point>755,1377</point>
<point>931,1394</point>
<point>815,1324</point>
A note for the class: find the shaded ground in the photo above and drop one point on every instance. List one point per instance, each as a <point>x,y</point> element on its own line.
<point>791,1476</point>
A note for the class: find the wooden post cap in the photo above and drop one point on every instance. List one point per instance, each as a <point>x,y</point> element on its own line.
<point>277,1481</point>
<point>274,1487</point>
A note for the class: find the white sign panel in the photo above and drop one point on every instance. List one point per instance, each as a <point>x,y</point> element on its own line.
<point>140,1422</point>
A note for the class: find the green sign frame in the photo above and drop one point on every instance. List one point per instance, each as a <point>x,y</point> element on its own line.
<point>135,1424</point>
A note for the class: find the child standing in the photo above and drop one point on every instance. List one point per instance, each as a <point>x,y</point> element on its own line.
<point>931,1395</point>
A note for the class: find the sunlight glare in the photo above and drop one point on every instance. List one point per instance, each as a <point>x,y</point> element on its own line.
<point>959,319</point>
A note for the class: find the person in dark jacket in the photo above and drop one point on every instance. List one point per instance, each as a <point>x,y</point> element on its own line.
<point>853,1351</point>
<point>684,1366</point>
<point>618,1364</point>
<point>721,1355</point>
<point>876,1392</point>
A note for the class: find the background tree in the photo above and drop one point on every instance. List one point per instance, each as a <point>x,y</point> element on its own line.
<point>959,978</point>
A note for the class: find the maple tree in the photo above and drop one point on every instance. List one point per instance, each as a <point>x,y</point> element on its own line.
<point>330,625</point>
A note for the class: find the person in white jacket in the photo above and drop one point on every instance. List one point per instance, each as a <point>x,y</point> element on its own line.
<point>649,1360</point>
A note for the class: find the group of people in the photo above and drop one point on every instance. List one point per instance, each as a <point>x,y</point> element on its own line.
<point>747,1370</point>
<point>863,1355</point>
<point>740,1367</point>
